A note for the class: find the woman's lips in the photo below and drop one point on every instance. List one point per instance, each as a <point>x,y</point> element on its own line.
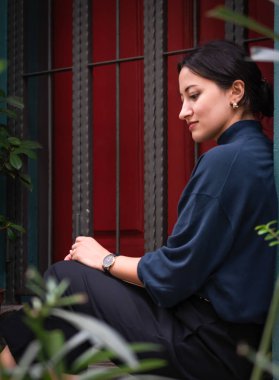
<point>191,125</point>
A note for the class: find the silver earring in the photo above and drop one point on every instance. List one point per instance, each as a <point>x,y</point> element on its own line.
<point>235,105</point>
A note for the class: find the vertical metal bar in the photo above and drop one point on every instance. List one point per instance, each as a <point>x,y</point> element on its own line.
<point>234,32</point>
<point>229,27</point>
<point>195,23</point>
<point>117,130</point>
<point>82,124</point>
<point>155,128</point>
<point>76,119</point>
<point>161,124</point>
<point>240,33</point>
<point>149,126</point>
<point>195,43</point>
<point>49,111</point>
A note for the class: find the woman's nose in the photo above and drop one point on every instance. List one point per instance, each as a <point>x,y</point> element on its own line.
<point>185,111</point>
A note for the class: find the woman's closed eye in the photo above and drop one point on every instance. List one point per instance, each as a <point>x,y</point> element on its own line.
<point>194,96</point>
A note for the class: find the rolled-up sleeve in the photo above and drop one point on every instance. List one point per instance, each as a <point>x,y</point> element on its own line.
<point>201,239</point>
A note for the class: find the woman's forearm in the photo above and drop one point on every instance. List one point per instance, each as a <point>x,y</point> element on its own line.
<point>126,269</point>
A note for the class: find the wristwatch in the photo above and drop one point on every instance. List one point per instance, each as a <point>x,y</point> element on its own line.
<point>108,262</point>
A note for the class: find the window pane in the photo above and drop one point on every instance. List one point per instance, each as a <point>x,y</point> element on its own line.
<point>131,28</point>
<point>36,128</point>
<point>131,156</point>
<point>36,35</point>
<point>62,33</point>
<point>131,128</point>
<point>103,29</point>
<point>62,164</point>
<point>210,28</point>
<point>180,24</point>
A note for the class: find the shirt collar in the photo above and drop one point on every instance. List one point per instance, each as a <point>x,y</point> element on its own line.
<point>238,129</point>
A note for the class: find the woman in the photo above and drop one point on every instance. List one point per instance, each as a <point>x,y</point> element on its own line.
<point>210,286</point>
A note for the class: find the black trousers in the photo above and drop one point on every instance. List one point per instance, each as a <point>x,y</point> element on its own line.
<point>195,342</point>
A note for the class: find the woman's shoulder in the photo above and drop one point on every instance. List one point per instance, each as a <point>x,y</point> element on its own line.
<point>219,158</point>
<point>245,153</point>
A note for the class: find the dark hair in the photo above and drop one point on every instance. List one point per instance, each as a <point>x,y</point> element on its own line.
<point>224,62</point>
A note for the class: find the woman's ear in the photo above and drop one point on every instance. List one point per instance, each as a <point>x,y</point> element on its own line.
<point>237,91</point>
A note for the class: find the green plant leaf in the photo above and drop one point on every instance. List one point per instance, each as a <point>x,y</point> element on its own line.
<point>26,180</point>
<point>11,234</point>
<point>237,18</point>
<point>115,372</point>
<point>3,65</point>
<point>11,114</point>
<point>30,144</point>
<point>262,232</point>
<point>17,227</point>
<point>95,356</point>
<point>4,132</point>
<point>271,223</point>
<point>15,101</point>
<point>52,343</point>
<point>26,360</point>
<point>100,333</point>
<point>15,161</point>
<point>29,153</point>
<point>14,141</point>
<point>8,167</point>
<point>33,277</point>
<point>273,243</point>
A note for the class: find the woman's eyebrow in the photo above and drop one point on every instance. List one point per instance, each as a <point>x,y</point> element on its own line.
<point>188,88</point>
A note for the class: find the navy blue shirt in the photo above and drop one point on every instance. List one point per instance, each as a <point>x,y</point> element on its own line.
<point>214,250</point>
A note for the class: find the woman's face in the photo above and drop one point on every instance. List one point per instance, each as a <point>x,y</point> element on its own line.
<point>205,106</point>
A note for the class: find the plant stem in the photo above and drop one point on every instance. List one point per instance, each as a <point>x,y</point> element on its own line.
<point>267,333</point>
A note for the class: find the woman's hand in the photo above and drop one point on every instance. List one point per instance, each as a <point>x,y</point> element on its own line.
<point>87,251</point>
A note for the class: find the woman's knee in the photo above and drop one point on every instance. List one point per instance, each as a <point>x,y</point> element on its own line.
<point>54,270</point>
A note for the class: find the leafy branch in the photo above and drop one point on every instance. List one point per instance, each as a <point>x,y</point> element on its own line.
<point>44,358</point>
<point>13,153</point>
<point>226,14</point>
<point>257,53</point>
<point>270,232</point>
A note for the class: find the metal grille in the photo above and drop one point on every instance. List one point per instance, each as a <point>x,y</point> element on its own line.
<point>117,62</point>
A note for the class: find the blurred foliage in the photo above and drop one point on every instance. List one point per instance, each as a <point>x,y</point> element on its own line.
<point>270,232</point>
<point>44,358</point>
<point>256,53</point>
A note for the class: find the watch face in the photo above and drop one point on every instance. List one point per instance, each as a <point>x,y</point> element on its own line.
<point>108,261</point>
